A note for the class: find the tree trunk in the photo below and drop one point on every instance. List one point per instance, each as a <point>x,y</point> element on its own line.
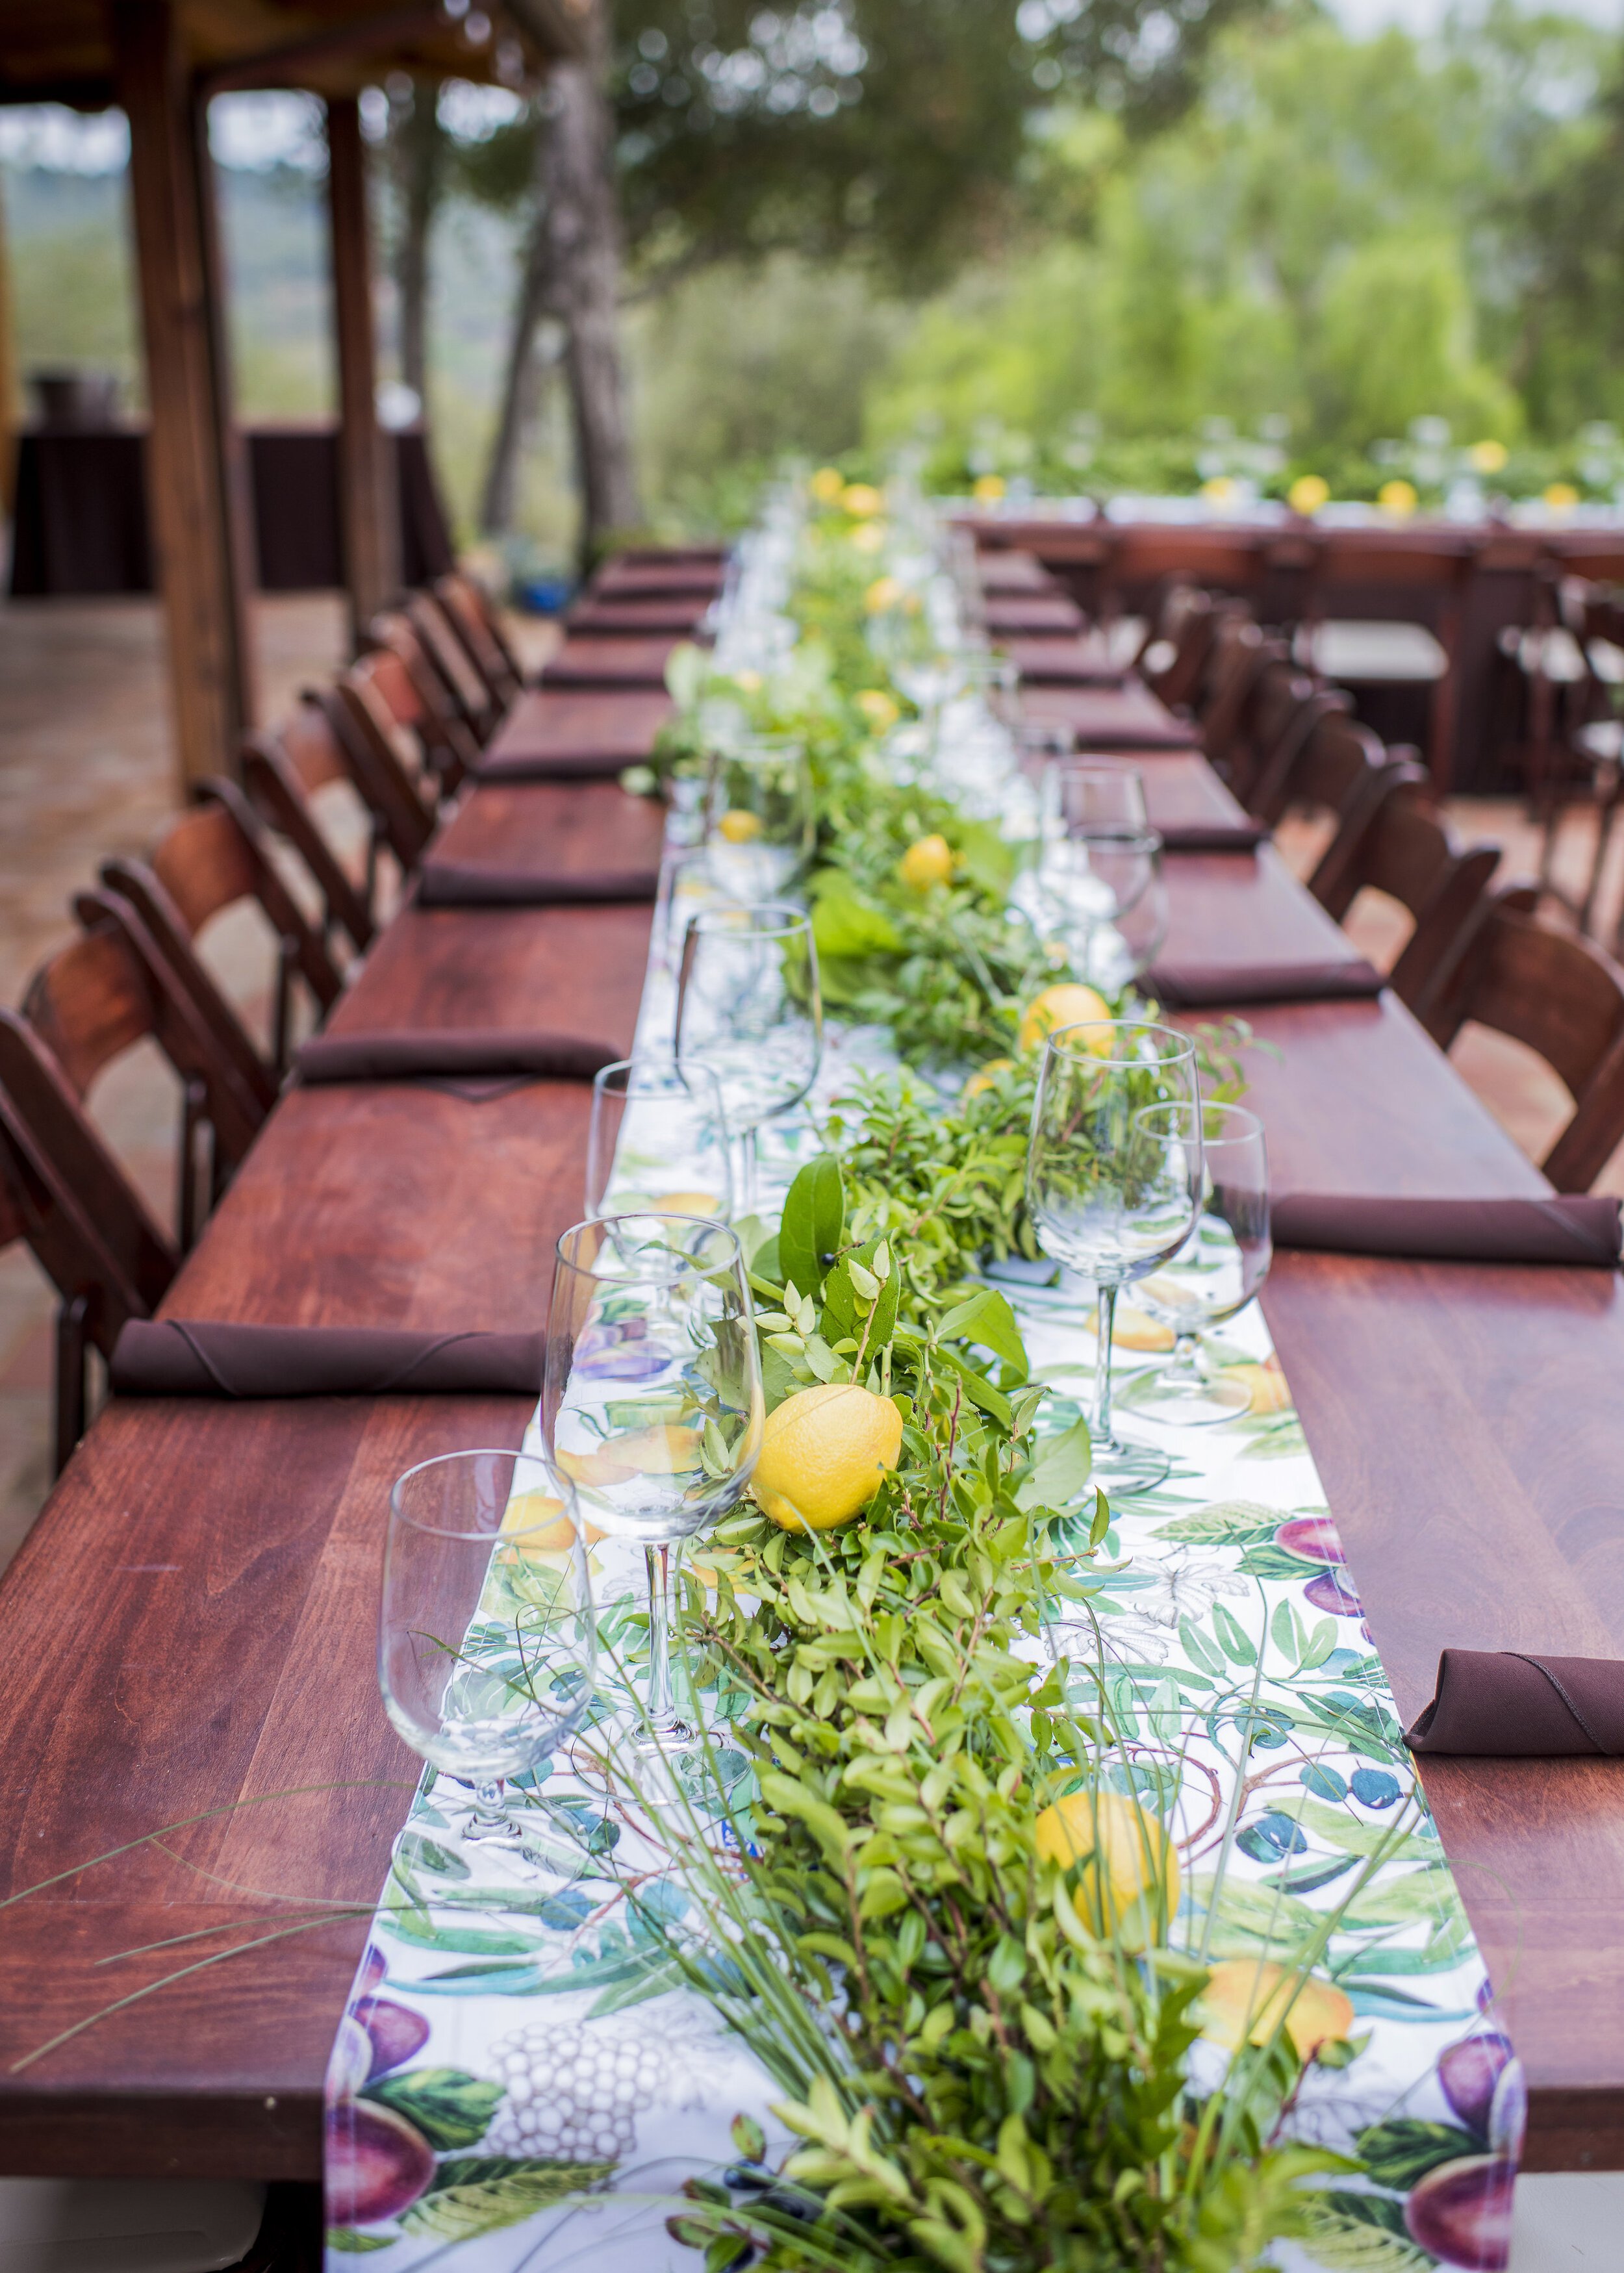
<point>419,155</point>
<point>520,389</point>
<point>583,226</point>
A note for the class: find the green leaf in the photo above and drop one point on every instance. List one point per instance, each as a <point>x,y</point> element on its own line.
<point>357,2245</point>
<point>450,2108</point>
<point>749,2139</point>
<point>686,669</point>
<point>1059,1469</point>
<point>1234,1640</point>
<point>1226,1523</point>
<point>987,1319</point>
<point>475,1942</point>
<point>846,923</point>
<point>1364,2233</point>
<point>977,1388</point>
<point>1401,2152</point>
<point>814,1221</point>
<point>480,2194</point>
<point>1268,1561</point>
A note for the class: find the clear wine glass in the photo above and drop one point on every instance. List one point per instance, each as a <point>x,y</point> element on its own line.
<point>1113,1188</point>
<point>658,1139</point>
<point>748,1006</point>
<point>486,1637</point>
<point>1081,793</point>
<point>762,824</point>
<point>651,1400</point>
<point>1214,1275</point>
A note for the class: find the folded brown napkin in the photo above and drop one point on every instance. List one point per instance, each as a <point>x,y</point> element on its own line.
<point>1207,985</point>
<point>473,1062</point>
<point>563,765</point>
<point>1567,1228</point>
<point>195,1357</point>
<point>469,884</point>
<point>1210,836</point>
<point>1508,1702</point>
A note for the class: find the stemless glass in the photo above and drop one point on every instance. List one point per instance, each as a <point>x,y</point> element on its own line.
<point>658,1139</point>
<point>748,1007</point>
<point>1113,1189</point>
<point>763,817</point>
<point>1080,793</point>
<point>651,1401</point>
<point>1215,1272</point>
<point>486,1638</point>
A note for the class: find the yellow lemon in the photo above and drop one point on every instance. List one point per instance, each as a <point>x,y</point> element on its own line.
<point>869,537</point>
<point>824,1455</point>
<point>928,860</point>
<point>736,827</point>
<point>826,484</point>
<point>749,682</point>
<point>861,501</point>
<point>1266,1383</point>
<point>1487,457</point>
<point>883,593</point>
<point>1398,496</point>
<point>1129,1883</point>
<point>1243,1990</point>
<point>1069,1004</point>
<point>986,1078</point>
<point>1561,495</point>
<point>1219,490</point>
<point>1136,1330</point>
<point>543,1516</point>
<point>684,1203</point>
<point>879,708</point>
<point>989,488</point>
<point>666,1450</point>
<point>1307,493</point>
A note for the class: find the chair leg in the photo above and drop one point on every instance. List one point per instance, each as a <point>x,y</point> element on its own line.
<point>194,1101</point>
<point>281,1018</point>
<point>1605,815</point>
<point>71,1354</point>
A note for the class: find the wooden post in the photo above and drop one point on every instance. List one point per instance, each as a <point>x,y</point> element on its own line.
<point>10,407</point>
<point>369,512</point>
<point>198,541</point>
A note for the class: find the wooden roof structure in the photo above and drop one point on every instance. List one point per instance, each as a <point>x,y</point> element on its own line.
<point>161,61</point>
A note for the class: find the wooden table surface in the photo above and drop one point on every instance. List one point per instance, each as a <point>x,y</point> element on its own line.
<point>189,1628</point>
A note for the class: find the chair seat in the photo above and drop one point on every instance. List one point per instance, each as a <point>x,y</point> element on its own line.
<point>1371,655</point>
<point>127,2225</point>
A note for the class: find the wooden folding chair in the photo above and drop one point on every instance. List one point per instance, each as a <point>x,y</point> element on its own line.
<point>211,860</point>
<point>283,768</point>
<point>1177,640</point>
<point>62,1191</point>
<point>367,710</point>
<point>420,702</point>
<point>1407,852</point>
<point>1241,652</point>
<point>1565,999</point>
<point>1343,772</point>
<point>469,610</point>
<point>466,689</point>
<point>1274,721</point>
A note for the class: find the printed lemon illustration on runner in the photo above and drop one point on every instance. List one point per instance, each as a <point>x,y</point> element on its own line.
<point>547,1529</point>
<point>824,1455</point>
<point>1246,1997</point>
<point>927,861</point>
<point>1135,1329</point>
<point>685,1203</point>
<point>1069,1004</point>
<point>985,1076</point>
<point>1129,1885</point>
<point>736,827</point>
<point>666,1450</point>
<point>1267,1385</point>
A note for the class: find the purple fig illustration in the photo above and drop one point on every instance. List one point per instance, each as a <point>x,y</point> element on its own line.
<point>396,2032</point>
<point>1469,2071</point>
<point>377,2164</point>
<point>1462,2212</point>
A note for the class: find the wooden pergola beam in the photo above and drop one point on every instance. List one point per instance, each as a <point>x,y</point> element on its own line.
<point>291,63</point>
<point>369,512</point>
<point>196,498</point>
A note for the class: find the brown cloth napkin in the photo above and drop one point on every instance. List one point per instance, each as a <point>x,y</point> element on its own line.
<point>194,1357</point>
<point>1211,986</point>
<point>1506,1703</point>
<point>1210,836</point>
<point>1573,1229</point>
<point>475,1062</point>
<point>561,765</point>
<point>466,884</point>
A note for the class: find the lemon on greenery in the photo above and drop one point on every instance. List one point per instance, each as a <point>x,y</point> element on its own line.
<point>826,484</point>
<point>1307,493</point>
<point>1398,496</point>
<point>749,682</point>
<point>883,593</point>
<point>861,500</point>
<point>869,537</point>
<point>1128,1884</point>
<point>1488,457</point>
<point>736,827</point>
<point>1069,1004</point>
<point>1222,488</point>
<point>824,1455</point>
<point>928,860</point>
<point>989,488</point>
<point>880,709</point>
<point>1245,1997</point>
<point>1561,495</point>
<point>986,1078</point>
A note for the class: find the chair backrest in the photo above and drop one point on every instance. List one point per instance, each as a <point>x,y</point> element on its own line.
<point>283,769</point>
<point>1275,719</point>
<point>364,721</point>
<point>1241,654</point>
<point>1562,997</point>
<point>472,698</point>
<point>469,610</point>
<point>63,1192</point>
<point>1177,634</point>
<point>419,700</point>
<point>1408,853</point>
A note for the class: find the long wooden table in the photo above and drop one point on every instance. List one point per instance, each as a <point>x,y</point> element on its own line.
<point>189,1629</point>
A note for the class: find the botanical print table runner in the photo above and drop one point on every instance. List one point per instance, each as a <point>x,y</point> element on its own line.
<point>523,2080</point>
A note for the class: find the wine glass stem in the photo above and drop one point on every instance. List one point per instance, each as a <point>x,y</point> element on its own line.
<point>660,1702</point>
<point>749,1171</point>
<point>1185,1366</point>
<point>1105,1437</point>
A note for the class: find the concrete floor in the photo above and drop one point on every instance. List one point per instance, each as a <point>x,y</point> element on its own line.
<point>85,772</point>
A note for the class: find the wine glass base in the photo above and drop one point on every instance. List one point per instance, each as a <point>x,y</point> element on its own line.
<point>1195,1404</point>
<point>1123,1469</point>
